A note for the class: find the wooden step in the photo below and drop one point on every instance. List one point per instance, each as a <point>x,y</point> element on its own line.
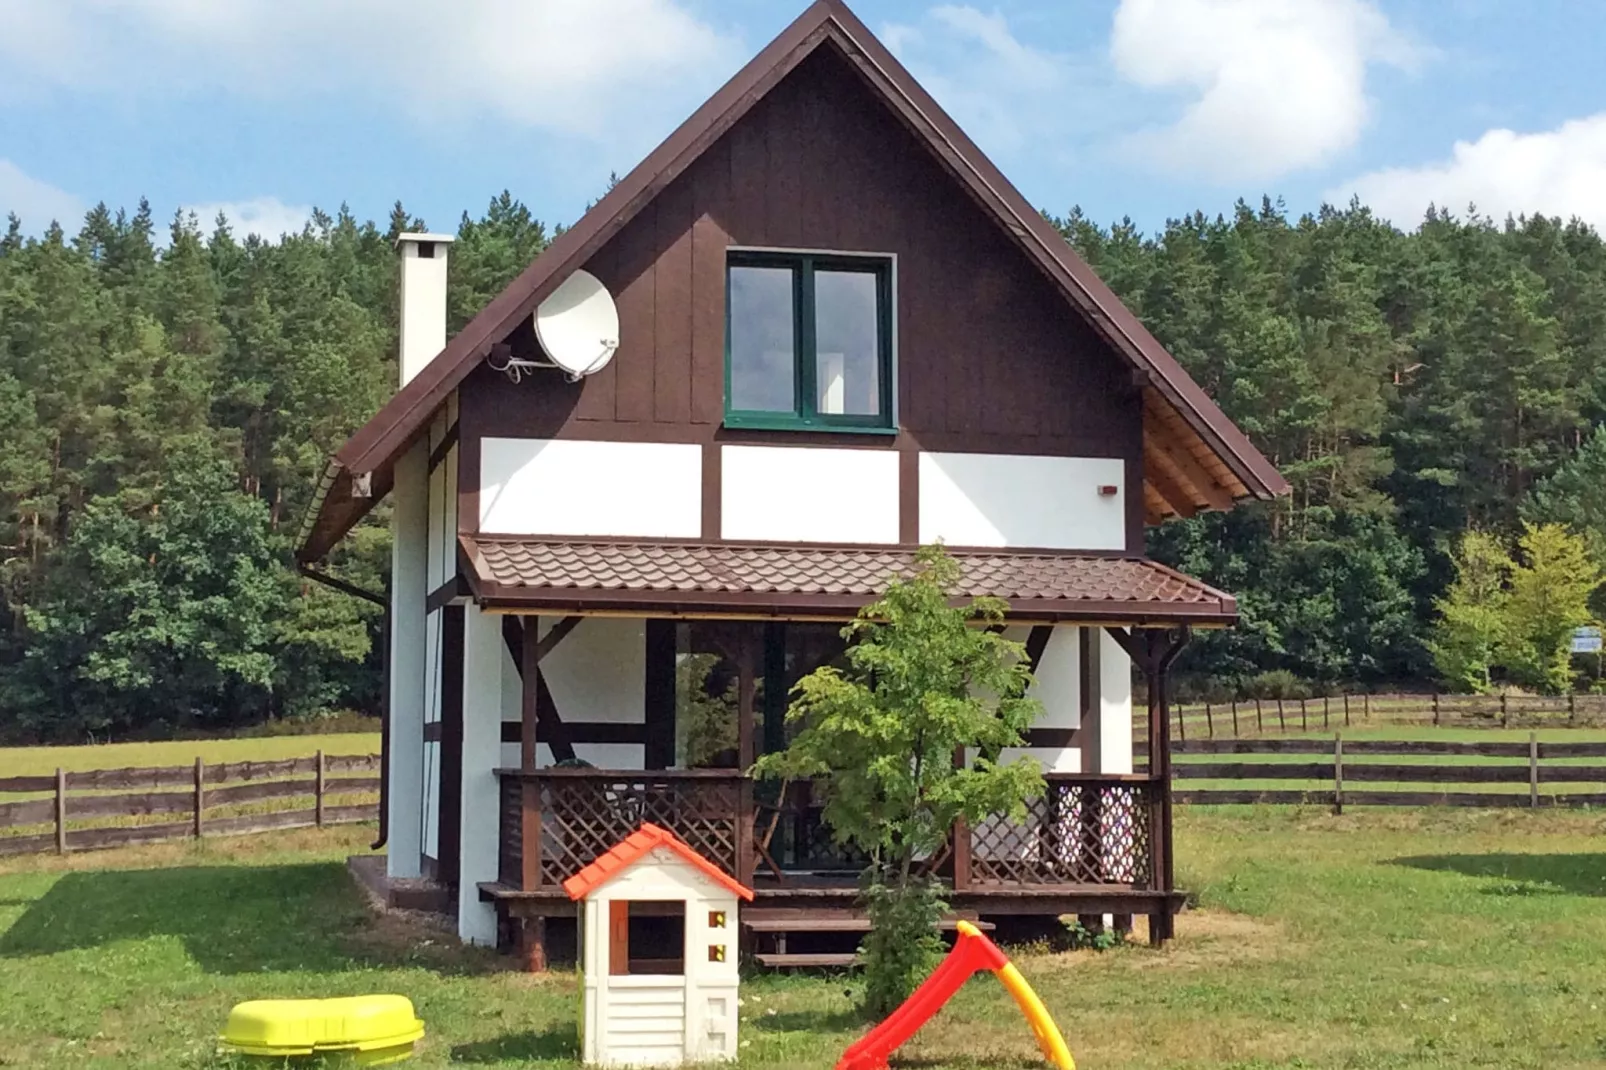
<point>830,922</point>
<point>776,961</point>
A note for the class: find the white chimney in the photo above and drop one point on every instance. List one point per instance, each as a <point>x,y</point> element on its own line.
<point>423,335</point>
<point>423,299</point>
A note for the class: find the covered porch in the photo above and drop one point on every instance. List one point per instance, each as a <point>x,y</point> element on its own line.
<point>725,640</point>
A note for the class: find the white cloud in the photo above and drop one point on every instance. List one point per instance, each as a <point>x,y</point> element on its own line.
<point>1275,85</point>
<point>574,66</point>
<point>1003,91</point>
<point>267,217</point>
<point>36,203</point>
<point>1560,172</point>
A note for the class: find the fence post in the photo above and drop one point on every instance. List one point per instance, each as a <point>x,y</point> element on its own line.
<point>1338,772</point>
<point>1505,712</point>
<point>1572,709</point>
<point>1366,706</point>
<point>1235,718</point>
<point>1326,711</point>
<point>1260,718</point>
<point>1304,714</point>
<point>1182,728</point>
<point>61,811</point>
<point>1435,707</point>
<point>200,795</point>
<point>1282,722</point>
<point>1210,724</point>
<point>317,789</point>
<point>1533,769</point>
<point>1346,709</point>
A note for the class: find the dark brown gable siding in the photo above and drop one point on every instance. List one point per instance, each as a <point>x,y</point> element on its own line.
<point>991,359</point>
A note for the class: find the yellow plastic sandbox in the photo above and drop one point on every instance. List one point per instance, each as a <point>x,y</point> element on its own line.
<point>371,1030</point>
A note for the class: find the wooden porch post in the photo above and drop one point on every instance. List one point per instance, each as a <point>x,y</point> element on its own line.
<point>746,686</point>
<point>1155,652</point>
<point>533,935</point>
<point>961,835</point>
<point>1160,783</point>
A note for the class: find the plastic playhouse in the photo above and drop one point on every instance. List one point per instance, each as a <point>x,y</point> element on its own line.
<point>672,998</point>
<point>368,1030</point>
<point>971,952</point>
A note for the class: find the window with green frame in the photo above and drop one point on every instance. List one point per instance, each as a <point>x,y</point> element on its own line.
<point>808,341</point>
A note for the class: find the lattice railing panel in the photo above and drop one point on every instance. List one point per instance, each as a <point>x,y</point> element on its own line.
<point>1079,832</point>
<point>810,846</point>
<point>583,817</point>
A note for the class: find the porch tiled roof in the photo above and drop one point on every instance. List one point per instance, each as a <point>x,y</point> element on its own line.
<point>795,577</point>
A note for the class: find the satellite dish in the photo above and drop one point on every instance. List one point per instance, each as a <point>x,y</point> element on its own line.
<point>578,326</point>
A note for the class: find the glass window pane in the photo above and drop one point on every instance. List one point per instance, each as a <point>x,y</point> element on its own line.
<point>762,374</point>
<point>847,343</point>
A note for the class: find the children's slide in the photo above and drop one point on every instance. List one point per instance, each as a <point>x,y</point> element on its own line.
<point>972,951</point>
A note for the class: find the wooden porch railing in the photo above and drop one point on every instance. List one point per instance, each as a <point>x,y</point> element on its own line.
<point>578,814</point>
<point>1085,830</point>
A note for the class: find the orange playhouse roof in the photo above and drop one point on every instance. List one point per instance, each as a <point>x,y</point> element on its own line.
<point>636,846</point>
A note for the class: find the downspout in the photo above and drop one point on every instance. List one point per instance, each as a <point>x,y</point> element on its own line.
<point>384,734</point>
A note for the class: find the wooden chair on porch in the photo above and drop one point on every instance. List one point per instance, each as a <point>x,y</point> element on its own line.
<point>767,816</point>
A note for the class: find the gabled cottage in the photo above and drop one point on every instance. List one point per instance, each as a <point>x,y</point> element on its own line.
<point>842,334</point>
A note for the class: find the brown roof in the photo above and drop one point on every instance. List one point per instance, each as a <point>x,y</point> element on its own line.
<point>804,580</point>
<point>1207,462</point>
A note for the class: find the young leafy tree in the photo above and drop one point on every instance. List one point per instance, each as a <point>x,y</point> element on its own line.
<point>1550,591</point>
<point>924,681</point>
<point>1471,627</point>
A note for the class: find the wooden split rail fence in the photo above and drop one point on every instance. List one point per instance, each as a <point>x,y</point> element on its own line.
<point>1389,772</point>
<point>108,807</point>
<point>1242,718</point>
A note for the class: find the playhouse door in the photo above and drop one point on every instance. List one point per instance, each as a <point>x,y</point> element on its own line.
<point>647,1021</point>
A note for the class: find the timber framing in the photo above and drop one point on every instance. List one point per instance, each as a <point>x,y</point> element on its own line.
<point>1225,467</point>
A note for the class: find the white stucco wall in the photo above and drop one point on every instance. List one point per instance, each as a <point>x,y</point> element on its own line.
<point>808,494</point>
<point>597,674</point>
<point>532,486</point>
<point>483,655</point>
<point>996,500</point>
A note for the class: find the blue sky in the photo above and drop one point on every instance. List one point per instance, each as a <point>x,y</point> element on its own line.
<point>1140,108</point>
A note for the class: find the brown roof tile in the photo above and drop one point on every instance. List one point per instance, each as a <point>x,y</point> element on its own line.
<point>512,569</point>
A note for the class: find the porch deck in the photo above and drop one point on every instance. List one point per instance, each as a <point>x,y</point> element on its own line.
<point>1091,845</point>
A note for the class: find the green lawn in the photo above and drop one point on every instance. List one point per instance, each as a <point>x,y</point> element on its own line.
<point>38,761</point>
<point>1375,940</point>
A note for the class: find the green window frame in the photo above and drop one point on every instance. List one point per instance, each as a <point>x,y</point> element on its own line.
<point>805,414</point>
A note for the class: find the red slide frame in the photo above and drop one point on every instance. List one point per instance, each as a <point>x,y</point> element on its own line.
<point>970,953</point>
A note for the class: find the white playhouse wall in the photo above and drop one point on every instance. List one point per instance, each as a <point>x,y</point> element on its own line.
<point>649,1019</point>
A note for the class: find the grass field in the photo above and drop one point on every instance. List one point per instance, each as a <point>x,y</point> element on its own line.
<point>1377,940</point>
<point>39,761</point>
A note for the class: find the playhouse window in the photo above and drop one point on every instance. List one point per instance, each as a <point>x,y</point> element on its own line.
<point>646,937</point>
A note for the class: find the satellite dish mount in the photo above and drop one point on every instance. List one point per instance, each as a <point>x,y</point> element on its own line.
<point>577,327</point>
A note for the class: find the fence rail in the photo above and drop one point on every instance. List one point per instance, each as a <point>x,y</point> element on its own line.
<point>220,799</point>
<point>1242,718</point>
<point>1407,772</point>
